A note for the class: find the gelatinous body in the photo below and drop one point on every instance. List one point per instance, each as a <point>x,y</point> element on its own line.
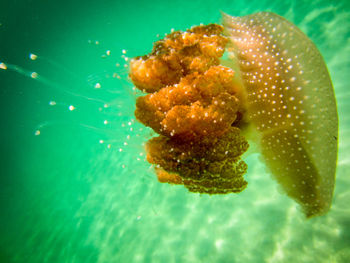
<point>290,102</point>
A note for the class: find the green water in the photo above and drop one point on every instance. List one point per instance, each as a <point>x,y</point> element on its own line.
<point>81,190</point>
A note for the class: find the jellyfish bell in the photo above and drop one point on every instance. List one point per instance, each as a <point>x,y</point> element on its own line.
<point>291,104</point>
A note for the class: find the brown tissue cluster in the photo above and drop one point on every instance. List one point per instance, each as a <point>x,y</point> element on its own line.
<point>192,106</point>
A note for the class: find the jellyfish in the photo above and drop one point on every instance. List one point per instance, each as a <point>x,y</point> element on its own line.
<point>215,89</point>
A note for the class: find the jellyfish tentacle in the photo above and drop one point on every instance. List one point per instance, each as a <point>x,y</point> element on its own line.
<point>193,111</point>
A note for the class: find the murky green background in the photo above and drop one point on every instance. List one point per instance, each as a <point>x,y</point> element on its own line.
<point>81,190</point>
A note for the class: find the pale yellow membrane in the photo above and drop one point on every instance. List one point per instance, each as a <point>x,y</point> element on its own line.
<point>290,101</point>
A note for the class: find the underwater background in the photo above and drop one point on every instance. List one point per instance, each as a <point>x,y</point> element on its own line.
<point>74,183</point>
